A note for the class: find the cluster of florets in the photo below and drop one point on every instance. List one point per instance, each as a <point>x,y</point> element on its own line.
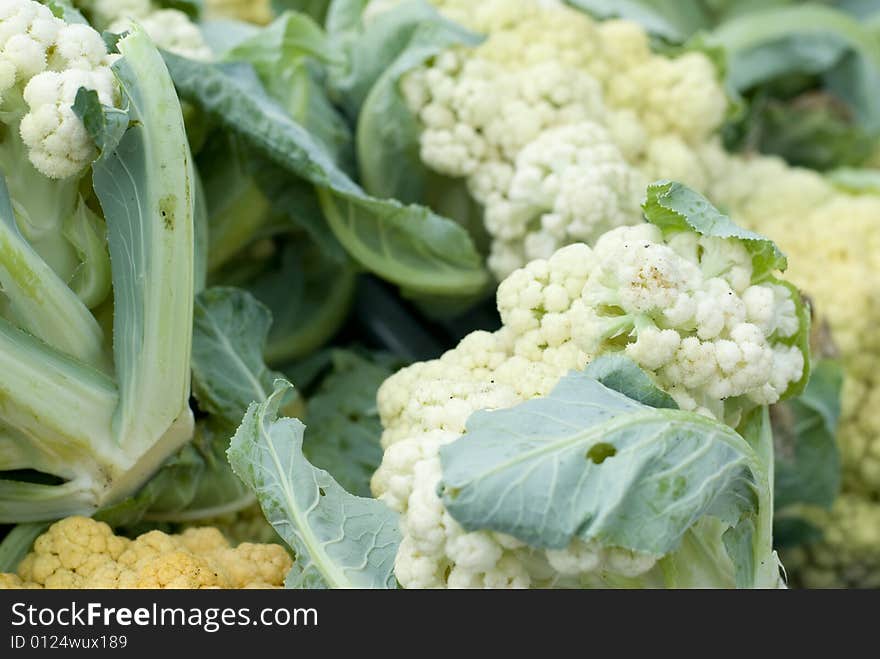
<point>684,307</point>
<point>44,62</point>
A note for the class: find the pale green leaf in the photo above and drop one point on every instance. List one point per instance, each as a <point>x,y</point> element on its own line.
<point>407,245</point>
<point>230,328</point>
<point>587,462</point>
<point>674,207</point>
<point>339,540</point>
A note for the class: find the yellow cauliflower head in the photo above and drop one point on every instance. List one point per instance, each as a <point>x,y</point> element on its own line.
<point>79,552</point>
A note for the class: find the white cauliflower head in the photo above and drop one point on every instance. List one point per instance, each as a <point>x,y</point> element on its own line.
<point>556,122</point>
<point>716,332</point>
<point>44,62</point>
<point>569,185</point>
<point>171,29</point>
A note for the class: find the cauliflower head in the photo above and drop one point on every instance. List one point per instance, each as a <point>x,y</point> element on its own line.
<point>556,121</point>
<point>486,114</point>
<point>848,555</point>
<point>840,270</point>
<point>692,310</point>
<point>171,29</point>
<point>831,237</point>
<point>44,62</point>
<point>80,553</point>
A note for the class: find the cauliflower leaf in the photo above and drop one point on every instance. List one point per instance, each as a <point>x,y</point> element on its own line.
<point>590,463</point>
<point>340,540</point>
<point>407,245</point>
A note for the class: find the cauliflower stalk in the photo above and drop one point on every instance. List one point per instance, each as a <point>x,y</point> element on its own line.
<point>690,298</point>
<point>91,150</point>
<point>80,553</point>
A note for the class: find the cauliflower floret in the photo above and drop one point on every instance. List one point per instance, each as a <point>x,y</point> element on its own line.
<point>172,30</point>
<point>103,12</point>
<point>173,570</point>
<point>80,47</point>
<point>252,565</point>
<point>575,183</point>
<point>70,552</point>
<point>79,552</point>
<point>14,582</point>
<point>680,96</point>
<point>59,144</point>
<point>43,64</point>
<point>28,31</point>
<point>558,314</point>
<point>693,325</point>
<point>557,122</point>
<point>838,269</point>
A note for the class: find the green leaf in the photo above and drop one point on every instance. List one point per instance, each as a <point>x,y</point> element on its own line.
<point>230,329</point>
<point>70,407</point>
<point>290,56</point>
<point>344,421</point>
<point>237,209</point>
<point>587,462</point>
<point>111,41</point>
<point>221,35</point>
<point>805,428</point>
<point>813,131</point>
<point>297,201</point>
<point>805,39</point>
<point>18,543</point>
<point>407,245</point>
<point>171,488</point>
<point>309,296</point>
<point>385,321</point>
<point>674,207</point>
<point>195,484</point>
<point>201,235</point>
<point>215,491</point>
<point>339,540</point>
<point>387,131</point>
<point>624,376</point>
<point>220,491</point>
<point>35,298</point>
<point>344,17</point>
<point>105,125</point>
<point>674,20</point>
<point>749,543</point>
<point>87,232</point>
<point>316,9</point>
<point>65,10</point>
